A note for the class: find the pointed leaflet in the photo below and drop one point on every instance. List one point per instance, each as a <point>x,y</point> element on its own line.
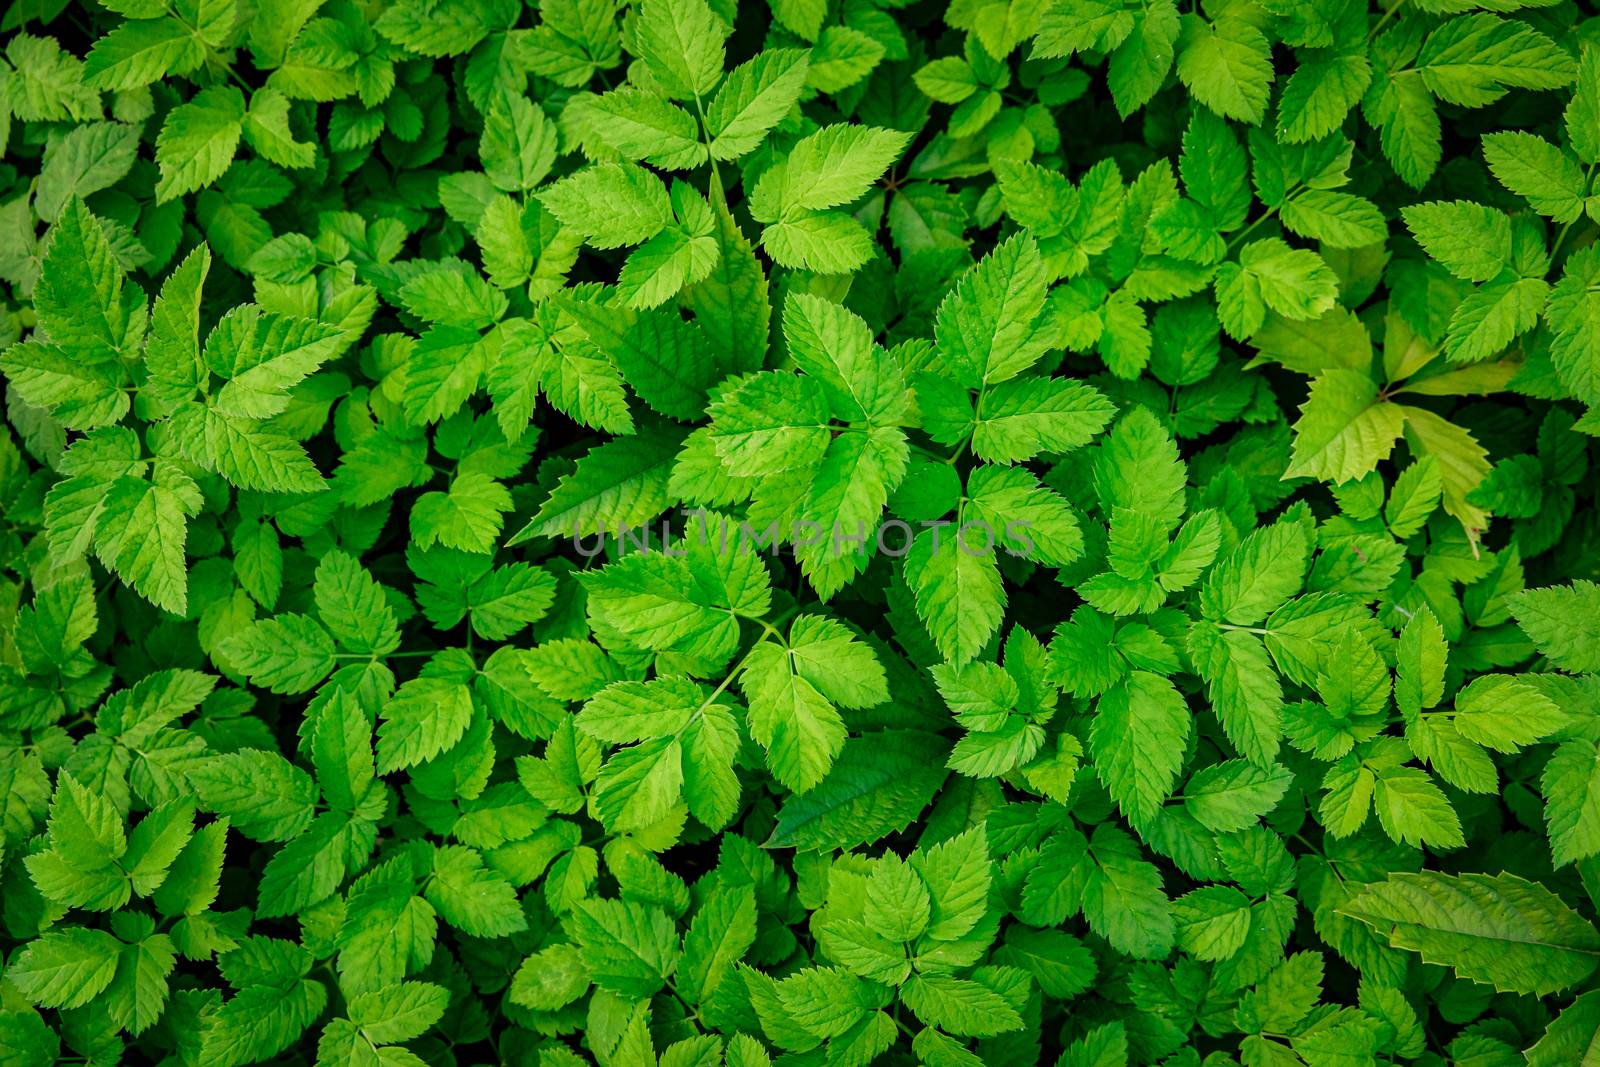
<point>770,422</point>
<point>681,43</point>
<point>1023,417</point>
<point>267,129</point>
<point>243,453</point>
<point>618,485</point>
<point>837,520</point>
<point>1564,623</point>
<point>1573,1038</point>
<point>83,162</point>
<point>198,141</point>
<point>1500,930</point>
<point>1533,168</point>
<point>642,126</point>
<point>66,968</point>
<point>142,531</point>
<point>1462,461</point>
<point>172,354</point>
<point>637,204</point>
<point>1262,572</point>
<point>993,325</point>
<point>142,51</point>
<point>1471,241</point>
<point>1472,60</point>
<point>959,595</point>
<point>1571,787</point>
<point>835,346</point>
<point>1227,65</point>
<point>518,145</point>
<point>830,167</point>
<point>1574,317</point>
<point>264,355</point>
<point>797,725</point>
<point>1344,430</point>
<point>426,717</point>
<point>730,304</point>
<point>82,300</point>
<point>755,96</point>
<point>1583,110</point>
<point>1140,728</point>
<point>663,358</point>
<point>1243,688</point>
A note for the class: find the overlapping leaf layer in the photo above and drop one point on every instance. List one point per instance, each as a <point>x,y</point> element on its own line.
<point>729,533</point>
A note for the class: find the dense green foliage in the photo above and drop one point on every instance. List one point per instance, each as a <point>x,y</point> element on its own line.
<point>805,532</point>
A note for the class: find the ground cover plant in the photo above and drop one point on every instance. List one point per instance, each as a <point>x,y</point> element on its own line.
<point>697,532</point>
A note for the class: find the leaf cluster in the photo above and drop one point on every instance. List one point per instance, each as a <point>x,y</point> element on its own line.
<point>699,533</point>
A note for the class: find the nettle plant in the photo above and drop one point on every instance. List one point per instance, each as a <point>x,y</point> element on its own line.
<point>687,533</point>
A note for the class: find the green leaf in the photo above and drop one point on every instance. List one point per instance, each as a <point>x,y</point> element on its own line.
<point>1403,109</point>
<point>1344,430</point>
<point>1243,688</point>
<point>1141,63</point>
<point>880,782</point>
<point>958,591</point>
<point>1140,728</point>
<point>1474,59</point>
<point>1469,240</point>
<point>1231,795</point>
<point>81,300</point>
<point>142,531</point>
<point>752,100</point>
<point>66,968</point>
<point>1571,1037</point>
<point>427,716</point>
<point>1026,416</point>
<point>1293,282</point>
<point>266,128</point>
<point>769,423</point>
<point>797,725</point>
<point>1260,574</point>
<point>1571,785</point>
<point>82,162</point>
<point>1496,929</point>
<point>643,126</point>
<point>1583,110</point>
<point>264,796</point>
<point>1574,314</point>
<point>1493,315</point>
<point>198,140</point>
<point>1564,622</point>
<point>243,453</point>
<point>518,144</point>
<point>286,654</point>
<point>681,43</point>
<point>618,485</point>
<point>830,167</point>
<point>399,1013</point>
<point>628,948</point>
<point>993,326</point>
<point>142,51</point>
<point>341,752</point>
<point>264,356</point>
<point>467,516</point>
<point>1227,65</point>
<point>1412,809</point>
<point>471,897</point>
<point>959,1006</point>
<point>1538,171</point>
<point>1320,93</point>
<point>1338,220</point>
<point>638,204</point>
